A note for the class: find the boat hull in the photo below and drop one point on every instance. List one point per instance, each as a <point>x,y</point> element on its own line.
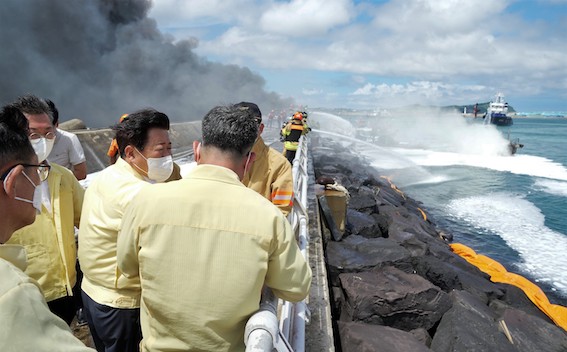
<point>501,120</point>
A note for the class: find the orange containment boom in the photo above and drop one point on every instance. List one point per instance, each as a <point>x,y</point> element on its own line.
<point>498,273</point>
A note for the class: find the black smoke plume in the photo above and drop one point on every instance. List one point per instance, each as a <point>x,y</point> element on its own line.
<point>98,59</point>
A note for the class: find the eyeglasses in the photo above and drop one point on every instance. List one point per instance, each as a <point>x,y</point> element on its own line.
<point>42,170</point>
<point>48,135</point>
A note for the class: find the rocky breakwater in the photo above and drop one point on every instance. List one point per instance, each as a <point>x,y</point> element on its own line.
<point>397,286</point>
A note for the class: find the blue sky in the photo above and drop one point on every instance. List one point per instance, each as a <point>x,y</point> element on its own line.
<point>382,54</point>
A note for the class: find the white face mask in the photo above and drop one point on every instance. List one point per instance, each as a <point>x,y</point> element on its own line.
<point>36,200</point>
<point>159,169</point>
<point>42,147</point>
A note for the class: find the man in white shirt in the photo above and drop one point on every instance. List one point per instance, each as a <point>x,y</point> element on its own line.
<point>67,150</point>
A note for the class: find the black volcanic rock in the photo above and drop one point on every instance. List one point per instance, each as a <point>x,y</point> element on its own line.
<point>514,297</point>
<point>388,296</point>
<point>532,334</point>
<point>469,326</point>
<point>422,335</point>
<point>387,196</point>
<point>408,221</point>
<point>395,268</point>
<point>449,277</point>
<point>358,337</point>
<point>369,226</point>
<point>383,222</point>
<point>363,200</point>
<point>409,241</point>
<point>356,254</point>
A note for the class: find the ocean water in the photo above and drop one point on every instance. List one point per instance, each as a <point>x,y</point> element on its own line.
<point>510,208</point>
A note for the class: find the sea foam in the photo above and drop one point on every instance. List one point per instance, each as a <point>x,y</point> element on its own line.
<point>522,226</point>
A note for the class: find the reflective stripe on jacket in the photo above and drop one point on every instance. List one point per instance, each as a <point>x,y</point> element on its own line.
<point>270,175</point>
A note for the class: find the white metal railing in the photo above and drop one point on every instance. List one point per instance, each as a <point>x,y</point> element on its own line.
<point>263,331</point>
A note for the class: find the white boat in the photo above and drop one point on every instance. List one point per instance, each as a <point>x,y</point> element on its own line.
<point>497,112</point>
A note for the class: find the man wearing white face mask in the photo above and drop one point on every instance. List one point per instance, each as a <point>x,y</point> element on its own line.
<point>67,150</point>
<point>205,254</point>
<point>27,324</point>
<point>112,301</point>
<point>158,169</point>
<point>50,240</point>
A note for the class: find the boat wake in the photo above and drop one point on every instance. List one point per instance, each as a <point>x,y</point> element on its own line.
<point>441,132</point>
<point>388,162</point>
<point>419,153</point>
<point>522,226</point>
<point>521,164</point>
<point>558,188</point>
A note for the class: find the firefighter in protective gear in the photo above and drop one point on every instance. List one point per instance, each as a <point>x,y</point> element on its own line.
<point>292,131</point>
<point>270,174</point>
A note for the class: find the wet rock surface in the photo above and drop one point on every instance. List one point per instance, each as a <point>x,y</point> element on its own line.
<point>358,337</point>
<point>389,296</point>
<point>397,286</point>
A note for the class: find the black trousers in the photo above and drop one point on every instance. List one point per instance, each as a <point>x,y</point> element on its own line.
<point>113,329</point>
<point>77,288</point>
<point>290,155</point>
<point>64,307</point>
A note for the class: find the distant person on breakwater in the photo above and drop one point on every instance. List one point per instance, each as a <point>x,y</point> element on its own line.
<point>27,324</point>
<point>50,240</point>
<point>291,132</point>
<point>112,301</point>
<point>67,149</point>
<point>270,174</point>
<point>204,254</point>
<point>271,118</point>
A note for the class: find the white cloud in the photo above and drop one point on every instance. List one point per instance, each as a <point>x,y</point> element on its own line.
<point>446,42</point>
<point>311,91</point>
<point>420,92</point>
<point>425,17</point>
<point>244,47</point>
<point>359,79</point>
<point>305,18</point>
<point>190,13</point>
<point>367,89</point>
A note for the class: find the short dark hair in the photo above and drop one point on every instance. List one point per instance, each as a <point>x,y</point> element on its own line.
<point>32,105</point>
<point>133,130</point>
<point>54,112</point>
<point>230,129</point>
<point>15,146</point>
<point>254,109</point>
